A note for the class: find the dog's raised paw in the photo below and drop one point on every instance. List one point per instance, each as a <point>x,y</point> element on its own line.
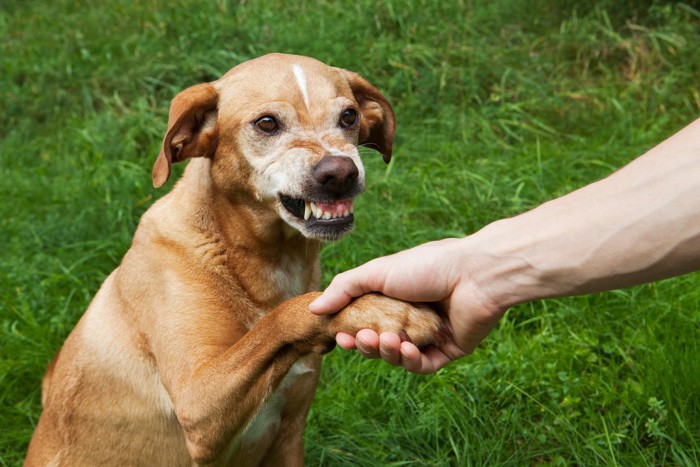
<point>416,323</point>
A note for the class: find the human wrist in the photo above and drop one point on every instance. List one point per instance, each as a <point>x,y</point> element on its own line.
<point>505,265</point>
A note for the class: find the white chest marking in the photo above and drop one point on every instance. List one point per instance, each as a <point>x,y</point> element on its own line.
<point>270,413</point>
<point>301,81</point>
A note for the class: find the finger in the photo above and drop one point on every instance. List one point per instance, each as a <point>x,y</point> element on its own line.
<point>343,288</point>
<point>367,343</point>
<point>389,348</point>
<point>451,350</point>
<point>345,340</point>
<point>331,301</point>
<point>424,363</point>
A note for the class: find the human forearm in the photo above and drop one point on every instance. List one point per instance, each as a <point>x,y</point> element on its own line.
<point>642,223</point>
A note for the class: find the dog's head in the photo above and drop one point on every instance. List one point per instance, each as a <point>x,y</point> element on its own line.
<point>284,129</point>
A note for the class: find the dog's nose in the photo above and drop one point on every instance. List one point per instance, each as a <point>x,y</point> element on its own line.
<point>337,175</point>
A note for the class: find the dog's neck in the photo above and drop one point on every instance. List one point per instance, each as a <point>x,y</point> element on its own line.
<point>287,262</point>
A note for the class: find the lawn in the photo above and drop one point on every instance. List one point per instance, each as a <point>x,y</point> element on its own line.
<point>500,106</point>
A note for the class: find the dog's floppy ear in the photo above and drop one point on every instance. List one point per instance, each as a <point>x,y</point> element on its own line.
<point>192,129</point>
<point>377,122</point>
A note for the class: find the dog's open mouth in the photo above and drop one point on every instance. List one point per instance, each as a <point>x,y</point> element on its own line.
<point>333,214</point>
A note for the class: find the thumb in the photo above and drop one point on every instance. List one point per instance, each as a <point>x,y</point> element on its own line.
<point>342,289</point>
<point>329,302</point>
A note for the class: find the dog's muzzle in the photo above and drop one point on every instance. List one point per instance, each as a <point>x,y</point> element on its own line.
<point>328,210</point>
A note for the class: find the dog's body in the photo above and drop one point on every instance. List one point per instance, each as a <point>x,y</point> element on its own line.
<point>199,347</point>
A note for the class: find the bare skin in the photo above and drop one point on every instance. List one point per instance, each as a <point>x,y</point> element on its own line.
<point>640,224</point>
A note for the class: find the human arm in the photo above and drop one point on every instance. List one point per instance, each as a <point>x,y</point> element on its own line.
<point>640,224</point>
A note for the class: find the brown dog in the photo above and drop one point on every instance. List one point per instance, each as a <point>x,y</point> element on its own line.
<point>199,347</point>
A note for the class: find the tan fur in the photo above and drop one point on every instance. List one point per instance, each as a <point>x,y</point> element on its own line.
<point>199,347</point>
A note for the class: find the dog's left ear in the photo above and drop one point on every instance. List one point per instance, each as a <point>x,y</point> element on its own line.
<point>377,122</point>
<point>192,129</point>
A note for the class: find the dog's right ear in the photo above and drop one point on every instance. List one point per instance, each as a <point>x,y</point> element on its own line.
<point>192,129</point>
<point>377,121</point>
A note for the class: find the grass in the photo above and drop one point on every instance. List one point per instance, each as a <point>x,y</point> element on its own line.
<point>501,105</point>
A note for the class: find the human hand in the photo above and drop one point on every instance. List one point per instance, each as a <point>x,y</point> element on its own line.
<point>441,273</point>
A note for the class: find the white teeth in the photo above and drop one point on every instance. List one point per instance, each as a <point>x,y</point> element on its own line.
<point>310,209</point>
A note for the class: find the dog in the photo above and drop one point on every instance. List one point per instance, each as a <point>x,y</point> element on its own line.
<point>199,348</point>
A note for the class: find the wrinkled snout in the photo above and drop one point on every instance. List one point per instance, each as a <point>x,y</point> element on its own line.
<point>336,176</point>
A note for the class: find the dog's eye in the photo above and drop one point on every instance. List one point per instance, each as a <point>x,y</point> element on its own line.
<point>267,124</point>
<point>348,118</point>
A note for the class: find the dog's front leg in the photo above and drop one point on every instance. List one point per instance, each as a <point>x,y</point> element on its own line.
<point>217,400</point>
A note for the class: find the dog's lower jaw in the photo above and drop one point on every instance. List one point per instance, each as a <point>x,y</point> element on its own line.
<point>330,233</point>
<point>322,230</point>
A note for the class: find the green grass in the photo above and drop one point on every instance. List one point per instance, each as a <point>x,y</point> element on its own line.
<point>501,105</point>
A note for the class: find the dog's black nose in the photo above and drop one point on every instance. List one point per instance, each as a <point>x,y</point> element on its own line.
<point>336,175</point>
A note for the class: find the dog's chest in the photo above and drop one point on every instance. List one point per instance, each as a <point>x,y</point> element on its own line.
<point>288,278</point>
<point>270,414</point>
<point>262,429</point>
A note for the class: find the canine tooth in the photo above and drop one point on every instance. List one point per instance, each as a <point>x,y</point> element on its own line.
<point>327,215</point>
<point>307,211</point>
<point>314,209</point>
<point>346,213</point>
<point>352,209</point>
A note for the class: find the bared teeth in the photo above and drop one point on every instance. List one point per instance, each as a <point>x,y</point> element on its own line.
<point>310,209</point>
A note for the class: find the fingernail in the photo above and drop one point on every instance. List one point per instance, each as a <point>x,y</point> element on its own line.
<point>382,346</point>
<point>316,304</point>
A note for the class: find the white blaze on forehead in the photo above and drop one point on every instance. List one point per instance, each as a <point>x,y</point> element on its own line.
<point>301,81</point>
